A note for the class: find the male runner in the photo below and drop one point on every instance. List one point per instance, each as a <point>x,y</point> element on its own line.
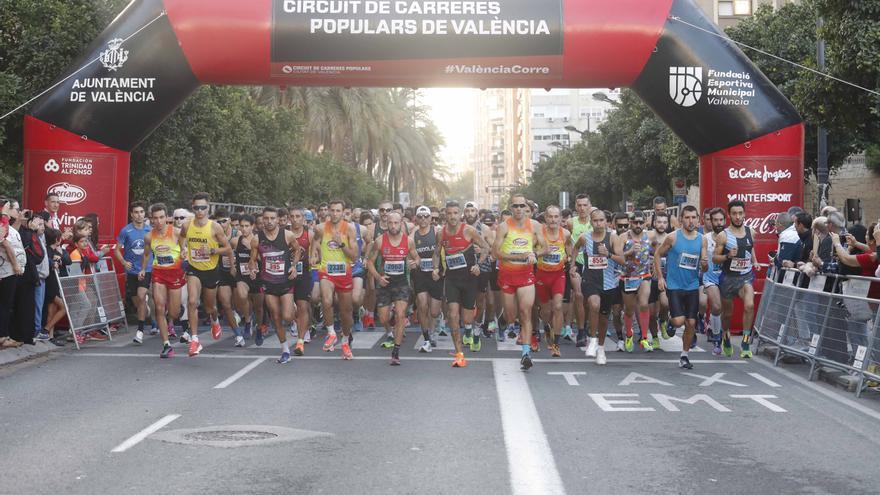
<point>162,246</point>
<point>227,282</point>
<point>462,273</point>
<point>204,242</point>
<point>599,285</point>
<point>388,261</point>
<point>334,247</point>
<point>550,275</point>
<point>577,226</point>
<point>658,301</point>
<point>518,244</point>
<point>249,299</point>
<point>484,305</point>
<point>686,255</point>
<point>635,280</point>
<point>131,240</point>
<point>302,284</point>
<point>429,292</point>
<point>278,253</point>
<point>733,248</point>
<point>711,281</point>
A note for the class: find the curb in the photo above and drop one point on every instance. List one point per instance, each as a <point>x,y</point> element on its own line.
<point>27,352</point>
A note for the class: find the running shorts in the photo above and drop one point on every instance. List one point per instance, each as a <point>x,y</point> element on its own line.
<point>209,278</point>
<point>386,296</point>
<point>302,287</point>
<point>277,290</point>
<point>172,279</point>
<point>731,283</point>
<point>341,283</point>
<point>683,303</point>
<point>510,282</point>
<point>609,298</point>
<point>655,292</point>
<point>226,279</point>
<point>461,289</point>
<point>133,283</point>
<point>424,282</point>
<point>549,284</point>
<point>254,286</point>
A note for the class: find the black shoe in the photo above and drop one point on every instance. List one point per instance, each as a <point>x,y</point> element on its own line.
<point>167,352</point>
<point>60,341</point>
<point>525,363</point>
<point>684,362</point>
<point>581,338</point>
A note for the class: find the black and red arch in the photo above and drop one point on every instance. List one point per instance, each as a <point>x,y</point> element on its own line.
<point>155,53</point>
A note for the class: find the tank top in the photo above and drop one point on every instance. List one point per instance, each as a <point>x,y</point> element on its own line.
<point>663,260</point>
<point>683,262</point>
<point>741,264</point>
<point>303,264</point>
<point>598,269</point>
<point>637,266</point>
<point>243,258</point>
<point>392,260</point>
<point>578,228</point>
<point>714,268</point>
<point>554,260</point>
<point>486,266</point>
<point>199,241</point>
<point>166,252</point>
<point>358,267</point>
<point>519,240</point>
<point>459,252</point>
<point>334,262</point>
<point>425,247</point>
<point>276,257</point>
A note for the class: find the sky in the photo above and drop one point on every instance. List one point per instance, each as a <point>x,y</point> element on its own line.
<point>452,110</point>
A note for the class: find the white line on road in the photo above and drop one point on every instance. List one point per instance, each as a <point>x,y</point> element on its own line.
<point>529,458</point>
<point>763,379</point>
<point>232,379</point>
<point>141,435</point>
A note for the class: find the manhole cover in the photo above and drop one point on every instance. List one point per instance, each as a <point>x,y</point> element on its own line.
<point>229,436</point>
<point>235,435</point>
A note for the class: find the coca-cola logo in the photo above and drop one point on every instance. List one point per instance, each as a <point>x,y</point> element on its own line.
<point>68,194</point>
<point>764,175</point>
<point>762,225</point>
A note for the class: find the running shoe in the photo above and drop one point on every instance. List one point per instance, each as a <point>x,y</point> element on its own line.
<point>97,335</point>
<point>601,360</point>
<point>246,332</point>
<point>511,331</point>
<point>239,341</point>
<point>459,361</point>
<point>694,342</point>
<point>442,331</point>
<point>258,338</point>
<point>185,338</point>
<point>395,358</point>
<point>593,347</point>
<point>215,330</point>
<point>525,362</point>
<point>264,329</point>
<point>433,343</point>
<point>171,333</point>
<point>389,342</point>
<point>493,326</point>
<point>716,349</point>
<point>307,337</point>
<point>620,346</point>
<point>609,332</point>
<point>284,359</point>
<point>684,362</point>
<point>294,331</point>
<point>645,344</point>
<point>426,346</point>
<point>167,352</point>
<point>536,342</point>
<point>194,348</point>
<point>346,352</point>
<point>664,331</point>
<point>467,337</point>
<point>499,336</point>
<point>629,344</point>
<point>154,330</point>
<point>581,338</point>
<point>726,347</point>
<point>330,342</point>
<point>566,333</point>
<point>745,353</point>
<point>350,339</point>
<point>476,344</point>
<point>554,350</point>
<point>299,349</point>
<point>656,343</point>
<point>138,337</point>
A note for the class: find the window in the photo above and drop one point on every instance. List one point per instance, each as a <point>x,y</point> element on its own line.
<point>734,7</point>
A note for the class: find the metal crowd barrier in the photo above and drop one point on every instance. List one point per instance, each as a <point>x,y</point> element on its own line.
<point>93,302</point>
<point>827,320</point>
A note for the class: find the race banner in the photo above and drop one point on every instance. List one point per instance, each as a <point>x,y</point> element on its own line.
<point>394,38</point>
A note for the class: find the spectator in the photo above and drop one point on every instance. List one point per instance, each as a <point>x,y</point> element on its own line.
<point>51,209</point>
<point>22,329</point>
<point>60,259</point>
<point>793,213</point>
<point>84,254</point>
<point>790,247</point>
<point>39,227</point>
<point>804,225</point>
<point>12,264</point>
<point>92,218</point>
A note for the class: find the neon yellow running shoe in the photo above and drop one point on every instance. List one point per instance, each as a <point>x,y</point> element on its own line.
<point>628,344</point>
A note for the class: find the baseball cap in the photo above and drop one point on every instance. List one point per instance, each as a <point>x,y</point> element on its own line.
<point>310,217</point>
<point>470,204</point>
<point>423,210</point>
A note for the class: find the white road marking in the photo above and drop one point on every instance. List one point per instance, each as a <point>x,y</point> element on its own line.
<point>232,379</point>
<point>141,435</point>
<point>674,345</point>
<point>362,340</point>
<point>708,381</point>
<point>529,458</point>
<point>569,376</point>
<point>766,381</point>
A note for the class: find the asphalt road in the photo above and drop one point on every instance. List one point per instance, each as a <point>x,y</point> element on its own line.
<point>114,418</point>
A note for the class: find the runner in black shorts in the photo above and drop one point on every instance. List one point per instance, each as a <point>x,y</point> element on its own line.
<point>429,292</point>
<point>247,291</point>
<point>227,282</point>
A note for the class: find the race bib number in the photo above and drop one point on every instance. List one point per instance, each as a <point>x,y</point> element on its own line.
<point>518,253</point>
<point>336,268</point>
<point>663,264</point>
<point>426,264</point>
<point>395,267</point>
<point>166,260</point>
<point>597,262</point>
<point>199,255</point>
<point>552,258</point>
<point>455,261</point>
<point>631,284</point>
<point>226,263</point>
<point>688,261</point>
<point>740,265</point>
<point>244,269</point>
<point>275,267</point>
<point>299,268</point>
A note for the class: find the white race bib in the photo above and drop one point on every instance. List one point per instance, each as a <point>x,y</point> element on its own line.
<point>395,267</point>
<point>631,284</point>
<point>455,261</point>
<point>336,268</point>
<point>740,265</point>
<point>199,255</point>
<point>597,262</point>
<point>244,269</point>
<point>426,264</point>
<point>299,268</point>
<point>275,267</point>
<point>225,262</point>
<point>688,261</point>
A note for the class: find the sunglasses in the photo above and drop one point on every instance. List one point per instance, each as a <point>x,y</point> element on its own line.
<point>200,207</point>
<point>180,218</point>
<point>519,205</point>
<point>623,226</point>
<point>169,222</point>
<point>423,216</point>
<point>384,210</point>
<point>222,221</point>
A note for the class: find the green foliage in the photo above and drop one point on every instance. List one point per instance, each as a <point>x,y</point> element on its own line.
<point>872,158</point>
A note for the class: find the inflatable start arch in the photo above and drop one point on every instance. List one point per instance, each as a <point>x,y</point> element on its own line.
<point>78,137</point>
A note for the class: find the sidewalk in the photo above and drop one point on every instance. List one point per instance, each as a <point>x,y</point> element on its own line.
<point>25,352</point>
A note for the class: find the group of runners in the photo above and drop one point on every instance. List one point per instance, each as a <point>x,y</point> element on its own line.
<point>522,274</point>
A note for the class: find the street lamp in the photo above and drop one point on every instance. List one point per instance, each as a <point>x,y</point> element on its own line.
<point>600,96</point>
<point>557,144</point>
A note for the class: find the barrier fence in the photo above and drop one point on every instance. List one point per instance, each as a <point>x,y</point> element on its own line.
<point>827,320</point>
<point>93,301</point>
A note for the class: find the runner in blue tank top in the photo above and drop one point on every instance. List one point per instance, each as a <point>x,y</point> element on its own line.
<point>686,256</point>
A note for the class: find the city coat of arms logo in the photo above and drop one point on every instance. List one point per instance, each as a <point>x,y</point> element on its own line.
<point>114,56</point>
